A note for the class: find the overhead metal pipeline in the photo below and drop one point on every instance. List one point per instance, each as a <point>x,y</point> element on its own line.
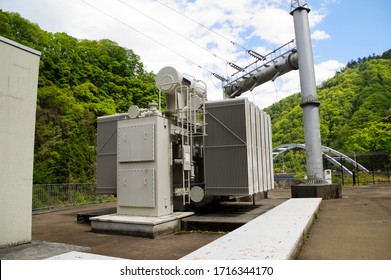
<point>269,72</point>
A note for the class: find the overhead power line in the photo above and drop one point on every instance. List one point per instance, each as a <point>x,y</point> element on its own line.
<point>145,35</point>
<point>172,30</point>
<point>252,53</point>
<point>202,25</point>
<point>161,44</point>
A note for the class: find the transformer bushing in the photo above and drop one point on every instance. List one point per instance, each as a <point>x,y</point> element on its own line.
<point>310,103</point>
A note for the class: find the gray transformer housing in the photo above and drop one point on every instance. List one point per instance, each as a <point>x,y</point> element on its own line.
<point>238,149</point>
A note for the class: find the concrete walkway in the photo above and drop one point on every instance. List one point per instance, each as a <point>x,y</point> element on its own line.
<point>275,235</point>
<point>356,227</point>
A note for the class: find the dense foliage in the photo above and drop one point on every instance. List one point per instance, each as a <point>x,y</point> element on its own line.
<point>355,109</point>
<point>79,80</point>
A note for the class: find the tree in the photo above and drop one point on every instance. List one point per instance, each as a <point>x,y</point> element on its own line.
<point>79,80</point>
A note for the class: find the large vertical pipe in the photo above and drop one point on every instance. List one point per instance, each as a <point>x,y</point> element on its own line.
<point>310,103</point>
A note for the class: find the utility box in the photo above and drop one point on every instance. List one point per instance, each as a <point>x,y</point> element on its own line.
<point>19,67</point>
<point>328,176</point>
<point>144,176</point>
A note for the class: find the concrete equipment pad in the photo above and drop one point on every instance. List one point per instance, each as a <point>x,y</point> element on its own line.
<point>138,225</point>
<point>275,235</point>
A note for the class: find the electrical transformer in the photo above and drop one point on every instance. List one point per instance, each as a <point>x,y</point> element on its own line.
<point>196,150</point>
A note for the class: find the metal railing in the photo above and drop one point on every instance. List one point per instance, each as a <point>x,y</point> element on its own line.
<point>363,178</point>
<point>51,196</point>
<point>364,169</point>
<point>378,165</point>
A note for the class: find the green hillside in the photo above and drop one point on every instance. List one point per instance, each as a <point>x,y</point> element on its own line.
<point>355,109</point>
<point>79,80</point>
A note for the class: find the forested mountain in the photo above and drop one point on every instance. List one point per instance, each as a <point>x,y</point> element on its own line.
<point>355,109</point>
<point>79,80</point>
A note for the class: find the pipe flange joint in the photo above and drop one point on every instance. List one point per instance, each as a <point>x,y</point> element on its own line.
<point>310,100</point>
<point>293,65</point>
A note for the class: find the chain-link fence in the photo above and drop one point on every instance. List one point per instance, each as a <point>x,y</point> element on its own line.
<point>50,196</point>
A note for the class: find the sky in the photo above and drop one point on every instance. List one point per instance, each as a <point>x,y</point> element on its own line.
<point>201,37</point>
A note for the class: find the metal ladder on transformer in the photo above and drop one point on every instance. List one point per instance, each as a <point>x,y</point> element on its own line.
<point>186,140</point>
<point>192,124</point>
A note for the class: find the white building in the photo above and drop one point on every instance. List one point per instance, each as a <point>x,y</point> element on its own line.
<point>19,67</point>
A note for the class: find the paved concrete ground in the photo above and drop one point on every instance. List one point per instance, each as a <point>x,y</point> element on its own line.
<point>61,227</point>
<point>358,226</point>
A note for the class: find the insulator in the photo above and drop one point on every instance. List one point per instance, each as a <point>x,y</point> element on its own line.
<point>221,78</point>
<point>256,55</point>
<point>233,65</point>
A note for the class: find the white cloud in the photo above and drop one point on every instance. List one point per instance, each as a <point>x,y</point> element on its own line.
<point>327,69</point>
<point>273,25</point>
<point>319,35</point>
<point>316,17</point>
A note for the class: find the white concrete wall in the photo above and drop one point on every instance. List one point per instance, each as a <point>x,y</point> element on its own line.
<point>19,68</point>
